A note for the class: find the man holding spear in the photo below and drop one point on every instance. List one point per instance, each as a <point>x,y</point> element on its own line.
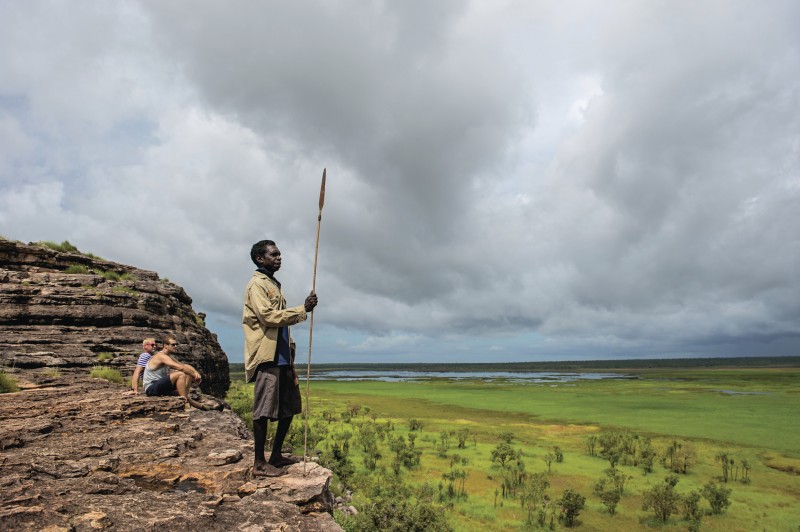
<point>269,356</point>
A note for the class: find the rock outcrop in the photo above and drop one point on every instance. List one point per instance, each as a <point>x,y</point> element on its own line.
<point>83,454</point>
<point>72,311</point>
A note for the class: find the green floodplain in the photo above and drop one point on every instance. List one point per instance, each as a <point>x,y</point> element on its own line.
<point>717,420</point>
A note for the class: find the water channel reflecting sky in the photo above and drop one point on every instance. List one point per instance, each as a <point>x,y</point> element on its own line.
<point>532,377</point>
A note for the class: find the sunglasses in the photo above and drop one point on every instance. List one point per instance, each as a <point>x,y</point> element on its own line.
<point>173,345</point>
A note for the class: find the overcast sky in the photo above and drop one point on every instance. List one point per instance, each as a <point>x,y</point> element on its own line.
<point>507,180</point>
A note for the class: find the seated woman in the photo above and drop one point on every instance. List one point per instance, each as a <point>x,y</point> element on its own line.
<point>159,380</point>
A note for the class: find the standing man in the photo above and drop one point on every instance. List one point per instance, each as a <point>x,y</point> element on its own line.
<point>148,346</point>
<point>269,356</point>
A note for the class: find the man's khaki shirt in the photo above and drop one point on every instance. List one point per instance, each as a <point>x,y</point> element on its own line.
<point>263,314</point>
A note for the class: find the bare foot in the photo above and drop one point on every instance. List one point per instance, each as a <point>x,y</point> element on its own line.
<point>267,470</point>
<point>198,405</point>
<point>283,461</point>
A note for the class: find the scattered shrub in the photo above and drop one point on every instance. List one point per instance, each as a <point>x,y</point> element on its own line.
<point>662,498</point>
<point>389,513</point>
<point>414,424</point>
<point>610,488</point>
<point>7,383</point>
<point>77,268</point>
<point>65,246</point>
<point>691,507</point>
<point>125,290</point>
<point>571,504</point>
<point>52,372</point>
<point>109,374</point>
<point>105,357</point>
<point>111,275</point>
<point>507,437</point>
<point>718,496</point>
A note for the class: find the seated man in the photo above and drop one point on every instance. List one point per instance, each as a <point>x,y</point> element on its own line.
<point>148,347</point>
<point>158,380</point>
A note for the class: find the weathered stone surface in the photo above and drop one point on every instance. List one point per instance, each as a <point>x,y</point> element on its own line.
<point>82,454</point>
<point>50,318</point>
<point>228,456</point>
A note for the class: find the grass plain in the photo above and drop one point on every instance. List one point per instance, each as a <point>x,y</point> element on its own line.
<point>751,414</point>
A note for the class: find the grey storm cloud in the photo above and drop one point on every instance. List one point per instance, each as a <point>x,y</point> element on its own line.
<point>581,180</point>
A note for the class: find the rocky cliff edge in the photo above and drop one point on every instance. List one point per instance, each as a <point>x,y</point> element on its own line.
<point>78,453</point>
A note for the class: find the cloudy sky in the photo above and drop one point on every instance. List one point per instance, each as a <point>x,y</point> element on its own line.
<point>507,180</point>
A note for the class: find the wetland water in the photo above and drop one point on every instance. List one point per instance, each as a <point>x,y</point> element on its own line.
<point>528,377</point>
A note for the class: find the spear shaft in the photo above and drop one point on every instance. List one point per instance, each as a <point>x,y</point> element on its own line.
<point>311,325</point>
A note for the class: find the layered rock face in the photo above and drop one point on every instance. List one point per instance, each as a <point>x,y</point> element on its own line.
<point>78,453</point>
<point>73,311</point>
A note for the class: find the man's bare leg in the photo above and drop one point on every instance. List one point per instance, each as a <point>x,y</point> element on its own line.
<point>261,468</point>
<point>276,458</point>
<point>182,383</point>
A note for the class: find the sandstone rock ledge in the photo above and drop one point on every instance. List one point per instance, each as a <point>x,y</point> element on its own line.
<point>77,453</point>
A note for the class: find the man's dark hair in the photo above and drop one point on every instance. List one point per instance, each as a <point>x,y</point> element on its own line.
<point>258,249</point>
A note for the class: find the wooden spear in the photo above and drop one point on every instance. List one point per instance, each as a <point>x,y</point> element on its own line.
<point>311,325</point>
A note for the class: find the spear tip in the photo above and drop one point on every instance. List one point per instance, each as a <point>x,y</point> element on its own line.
<point>322,189</point>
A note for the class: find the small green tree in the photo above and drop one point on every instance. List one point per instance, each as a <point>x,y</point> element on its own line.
<point>534,499</point>
<point>329,415</point>
<point>548,459</point>
<point>662,498</point>
<point>610,488</point>
<point>456,483</point>
<point>686,457</point>
<point>559,455</point>
<point>507,437</point>
<point>405,455</point>
<point>645,455</point>
<point>718,497</point>
<point>590,443</point>
<point>367,440</point>
<point>443,445</point>
<point>725,461</point>
<point>462,436</point>
<point>391,513</point>
<point>571,503</point>
<point>337,459</point>
<point>503,453</point>
<point>746,467</point>
<point>691,506</point>
<point>414,424</point>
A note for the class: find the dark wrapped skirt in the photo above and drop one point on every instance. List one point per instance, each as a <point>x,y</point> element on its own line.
<point>275,395</point>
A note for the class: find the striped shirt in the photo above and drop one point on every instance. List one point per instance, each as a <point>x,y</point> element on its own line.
<point>144,358</point>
